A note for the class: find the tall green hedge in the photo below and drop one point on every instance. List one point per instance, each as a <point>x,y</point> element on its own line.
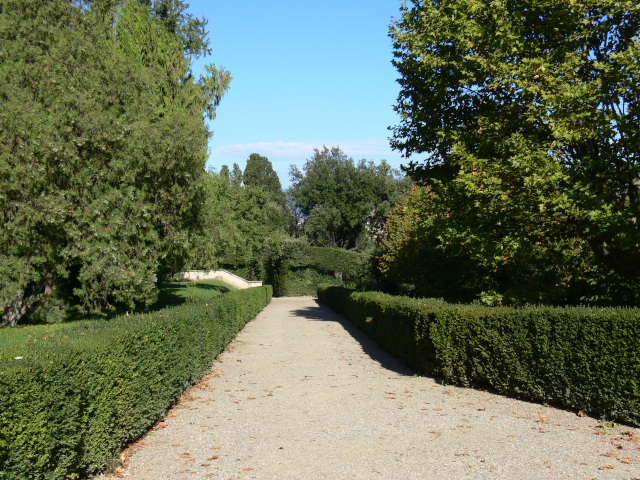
<point>582,358</point>
<point>72,402</point>
<point>353,265</point>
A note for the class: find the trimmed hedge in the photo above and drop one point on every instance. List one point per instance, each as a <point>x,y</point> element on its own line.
<point>304,281</point>
<point>399,324</point>
<point>352,265</point>
<point>582,358</point>
<point>72,402</point>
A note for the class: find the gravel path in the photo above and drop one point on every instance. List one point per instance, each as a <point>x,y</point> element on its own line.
<point>302,394</point>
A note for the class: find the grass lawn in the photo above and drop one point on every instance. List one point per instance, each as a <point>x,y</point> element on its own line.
<point>176,293</point>
<point>171,294</point>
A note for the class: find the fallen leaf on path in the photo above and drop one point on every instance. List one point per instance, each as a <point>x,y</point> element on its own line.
<point>606,467</point>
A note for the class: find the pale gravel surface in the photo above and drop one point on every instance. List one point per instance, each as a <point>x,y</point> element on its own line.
<point>302,394</point>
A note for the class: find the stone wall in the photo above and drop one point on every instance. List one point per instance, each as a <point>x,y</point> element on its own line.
<point>222,275</point>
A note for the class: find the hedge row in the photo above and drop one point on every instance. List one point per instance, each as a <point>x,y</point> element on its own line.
<point>352,265</point>
<point>72,402</point>
<point>581,358</point>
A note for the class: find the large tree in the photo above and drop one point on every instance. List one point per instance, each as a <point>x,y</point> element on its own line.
<point>242,218</point>
<point>174,17</point>
<point>102,151</point>
<point>259,173</point>
<point>342,202</point>
<point>525,116</point>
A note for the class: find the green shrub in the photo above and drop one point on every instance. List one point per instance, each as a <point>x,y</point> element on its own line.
<point>275,267</point>
<point>399,324</point>
<point>581,358</point>
<point>72,402</point>
<point>304,281</point>
<point>354,266</point>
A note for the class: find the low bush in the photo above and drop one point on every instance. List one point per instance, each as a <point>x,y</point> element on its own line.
<point>72,401</point>
<point>582,358</point>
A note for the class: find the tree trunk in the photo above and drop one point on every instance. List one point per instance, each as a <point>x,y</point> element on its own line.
<point>25,302</point>
<point>17,309</point>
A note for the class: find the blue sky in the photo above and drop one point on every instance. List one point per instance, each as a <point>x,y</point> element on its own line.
<point>305,74</point>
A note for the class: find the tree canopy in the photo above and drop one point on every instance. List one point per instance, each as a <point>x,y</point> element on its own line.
<point>259,173</point>
<point>525,115</point>
<point>341,201</point>
<point>242,218</point>
<point>175,19</point>
<point>102,151</point>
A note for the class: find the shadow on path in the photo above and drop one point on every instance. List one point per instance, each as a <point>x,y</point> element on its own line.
<point>322,313</point>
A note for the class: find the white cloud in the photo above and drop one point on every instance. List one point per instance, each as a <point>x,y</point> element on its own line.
<point>300,151</point>
<point>291,150</point>
<point>371,148</point>
<point>283,154</point>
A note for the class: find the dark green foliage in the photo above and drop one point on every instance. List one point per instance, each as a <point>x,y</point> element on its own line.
<point>400,324</point>
<point>523,116</point>
<point>78,397</point>
<point>259,173</point>
<point>255,214</point>
<point>352,265</point>
<point>276,266</point>
<point>305,281</point>
<point>236,176</point>
<point>241,220</point>
<point>581,358</point>
<point>342,202</point>
<point>220,236</point>
<point>415,261</point>
<point>189,29</point>
<point>103,151</point>
<point>294,267</point>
